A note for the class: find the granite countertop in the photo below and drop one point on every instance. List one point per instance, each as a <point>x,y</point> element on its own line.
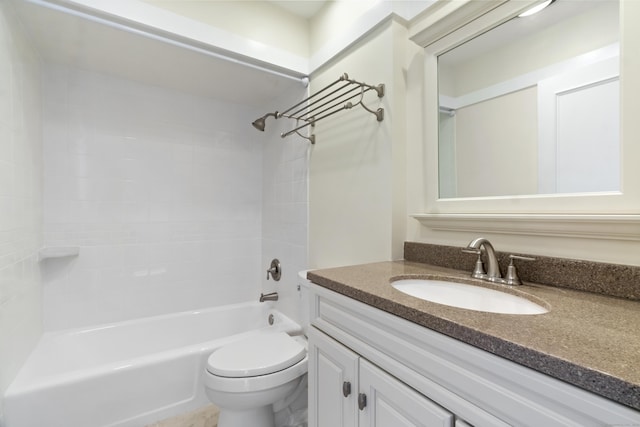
<point>588,340</point>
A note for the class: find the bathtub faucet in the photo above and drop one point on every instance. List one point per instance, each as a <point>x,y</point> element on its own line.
<point>273,296</point>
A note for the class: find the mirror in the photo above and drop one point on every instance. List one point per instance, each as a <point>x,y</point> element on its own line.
<point>532,106</point>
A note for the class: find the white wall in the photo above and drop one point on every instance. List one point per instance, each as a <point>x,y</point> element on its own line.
<point>20,197</point>
<point>353,191</point>
<point>341,23</point>
<point>162,192</point>
<point>257,20</point>
<point>334,20</point>
<point>356,188</point>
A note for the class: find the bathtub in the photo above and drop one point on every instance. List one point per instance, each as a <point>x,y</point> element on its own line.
<point>129,373</point>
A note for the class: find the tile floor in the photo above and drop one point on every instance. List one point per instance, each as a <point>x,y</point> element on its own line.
<point>203,417</point>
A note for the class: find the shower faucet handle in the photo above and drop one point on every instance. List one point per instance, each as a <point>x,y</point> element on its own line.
<point>274,270</point>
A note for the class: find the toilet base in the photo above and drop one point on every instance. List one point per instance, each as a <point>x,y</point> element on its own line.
<point>256,417</point>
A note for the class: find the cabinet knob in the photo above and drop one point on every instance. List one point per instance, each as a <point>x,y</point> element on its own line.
<point>362,401</point>
<point>346,388</point>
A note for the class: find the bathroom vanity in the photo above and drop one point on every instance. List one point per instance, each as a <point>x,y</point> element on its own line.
<point>380,357</point>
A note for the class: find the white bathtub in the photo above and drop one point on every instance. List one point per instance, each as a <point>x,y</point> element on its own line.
<point>129,373</point>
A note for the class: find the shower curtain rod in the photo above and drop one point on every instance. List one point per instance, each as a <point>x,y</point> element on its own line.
<point>315,107</point>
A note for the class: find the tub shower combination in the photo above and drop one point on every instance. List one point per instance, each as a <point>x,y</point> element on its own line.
<point>130,373</point>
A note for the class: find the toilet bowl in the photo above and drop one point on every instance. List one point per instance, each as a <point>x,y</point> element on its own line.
<point>244,379</point>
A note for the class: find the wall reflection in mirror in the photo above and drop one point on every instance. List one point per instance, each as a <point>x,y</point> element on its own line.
<point>532,106</point>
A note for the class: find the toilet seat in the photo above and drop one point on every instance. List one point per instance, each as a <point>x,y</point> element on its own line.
<point>256,384</point>
<point>259,355</point>
<point>251,384</point>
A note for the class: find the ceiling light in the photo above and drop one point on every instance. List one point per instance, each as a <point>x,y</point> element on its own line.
<point>535,9</point>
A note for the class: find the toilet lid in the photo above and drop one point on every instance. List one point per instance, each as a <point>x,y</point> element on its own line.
<point>260,355</point>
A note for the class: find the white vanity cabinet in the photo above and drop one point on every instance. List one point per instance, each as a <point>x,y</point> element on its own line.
<point>348,391</point>
<point>413,376</point>
<point>333,382</point>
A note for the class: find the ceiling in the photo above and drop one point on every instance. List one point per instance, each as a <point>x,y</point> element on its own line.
<point>74,40</point>
<point>304,8</point>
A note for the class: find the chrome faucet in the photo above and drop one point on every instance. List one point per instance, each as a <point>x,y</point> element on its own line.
<point>493,268</point>
<point>273,296</point>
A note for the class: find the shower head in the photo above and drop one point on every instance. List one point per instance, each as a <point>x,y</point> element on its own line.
<point>259,123</point>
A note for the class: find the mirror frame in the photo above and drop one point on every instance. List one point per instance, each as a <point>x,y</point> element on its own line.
<point>611,215</point>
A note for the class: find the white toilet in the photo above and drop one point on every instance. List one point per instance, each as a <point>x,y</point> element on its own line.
<point>245,378</point>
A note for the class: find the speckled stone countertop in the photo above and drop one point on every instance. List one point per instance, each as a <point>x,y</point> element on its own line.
<point>588,340</point>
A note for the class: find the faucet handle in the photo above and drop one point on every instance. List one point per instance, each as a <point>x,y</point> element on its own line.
<point>512,274</point>
<point>478,270</point>
<point>274,270</point>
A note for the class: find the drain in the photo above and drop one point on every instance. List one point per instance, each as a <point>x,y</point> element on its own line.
<point>271,319</point>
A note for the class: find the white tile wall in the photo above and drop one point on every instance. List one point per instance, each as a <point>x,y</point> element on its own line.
<point>20,197</point>
<point>175,201</point>
<point>160,189</point>
<point>285,204</point>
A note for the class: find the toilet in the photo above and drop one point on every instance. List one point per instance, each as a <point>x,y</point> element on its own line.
<point>244,379</point>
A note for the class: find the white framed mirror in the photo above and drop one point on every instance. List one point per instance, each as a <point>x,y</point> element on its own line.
<point>532,106</point>
<point>609,212</point>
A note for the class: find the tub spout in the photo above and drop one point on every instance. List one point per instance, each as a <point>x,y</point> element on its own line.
<point>273,296</point>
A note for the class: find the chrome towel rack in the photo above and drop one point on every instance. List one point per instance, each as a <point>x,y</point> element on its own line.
<point>321,105</point>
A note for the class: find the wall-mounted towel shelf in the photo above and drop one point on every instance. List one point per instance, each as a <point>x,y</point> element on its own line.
<point>311,110</point>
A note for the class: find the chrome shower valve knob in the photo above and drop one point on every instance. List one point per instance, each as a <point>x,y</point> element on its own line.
<point>274,270</point>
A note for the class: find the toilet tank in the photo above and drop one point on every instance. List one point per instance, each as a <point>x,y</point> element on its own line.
<point>303,300</point>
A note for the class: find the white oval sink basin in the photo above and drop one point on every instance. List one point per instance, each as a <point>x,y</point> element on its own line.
<point>466,296</point>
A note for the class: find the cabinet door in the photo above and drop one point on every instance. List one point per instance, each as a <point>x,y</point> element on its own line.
<point>391,403</point>
<point>333,382</point>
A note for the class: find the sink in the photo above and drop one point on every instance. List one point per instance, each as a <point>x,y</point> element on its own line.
<point>471,297</point>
